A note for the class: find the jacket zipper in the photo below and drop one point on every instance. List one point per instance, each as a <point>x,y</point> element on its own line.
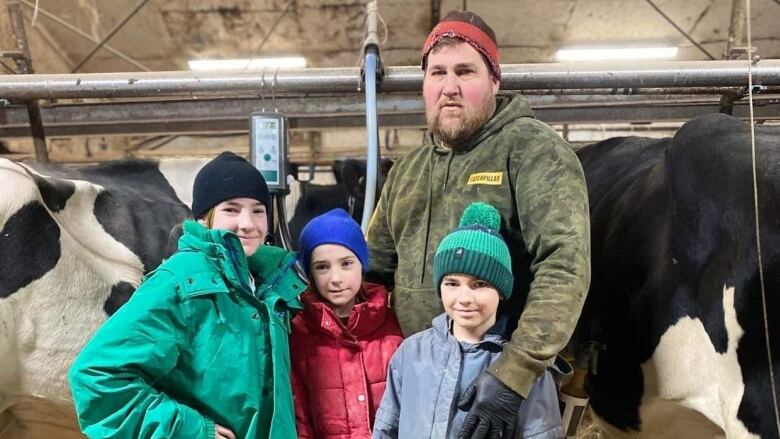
<point>428,214</point>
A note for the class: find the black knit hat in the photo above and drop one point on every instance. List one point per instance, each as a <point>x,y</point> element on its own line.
<point>227,176</point>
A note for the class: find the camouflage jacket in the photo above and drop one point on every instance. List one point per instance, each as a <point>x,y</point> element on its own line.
<point>524,169</point>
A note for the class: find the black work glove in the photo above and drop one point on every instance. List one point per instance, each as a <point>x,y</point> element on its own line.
<point>493,411</point>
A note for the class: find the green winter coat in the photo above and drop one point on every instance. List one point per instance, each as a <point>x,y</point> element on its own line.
<point>524,169</point>
<point>195,346</point>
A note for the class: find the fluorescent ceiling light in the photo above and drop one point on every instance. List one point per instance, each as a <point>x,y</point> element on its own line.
<point>287,62</point>
<point>615,53</point>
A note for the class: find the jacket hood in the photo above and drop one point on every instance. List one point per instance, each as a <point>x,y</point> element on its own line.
<point>509,107</point>
<point>221,247</point>
<point>196,236</point>
<point>443,322</point>
<point>366,317</point>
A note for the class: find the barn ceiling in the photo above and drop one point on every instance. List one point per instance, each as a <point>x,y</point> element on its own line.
<point>164,35</point>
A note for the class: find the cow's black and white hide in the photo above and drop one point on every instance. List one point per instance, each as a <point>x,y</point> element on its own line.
<point>74,244</point>
<point>675,292</point>
<point>348,193</point>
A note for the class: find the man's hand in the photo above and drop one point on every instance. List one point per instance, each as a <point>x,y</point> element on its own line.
<point>223,433</point>
<point>493,411</point>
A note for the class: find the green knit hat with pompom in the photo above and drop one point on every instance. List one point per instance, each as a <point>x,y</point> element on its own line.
<point>476,248</point>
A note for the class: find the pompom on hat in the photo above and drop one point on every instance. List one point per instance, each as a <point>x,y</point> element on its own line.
<point>476,248</point>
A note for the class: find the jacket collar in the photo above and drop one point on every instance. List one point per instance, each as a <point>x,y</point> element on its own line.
<point>442,324</point>
<point>222,247</point>
<point>509,107</point>
<point>365,318</point>
<point>268,263</point>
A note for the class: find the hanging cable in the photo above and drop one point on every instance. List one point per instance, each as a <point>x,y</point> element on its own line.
<point>384,26</point>
<point>372,74</point>
<point>758,229</point>
<point>35,15</point>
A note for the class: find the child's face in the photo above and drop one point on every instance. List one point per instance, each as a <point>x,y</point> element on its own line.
<point>469,301</point>
<point>246,217</point>
<point>337,273</point>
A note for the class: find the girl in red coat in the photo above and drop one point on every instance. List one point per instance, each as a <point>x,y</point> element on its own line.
<point>343,340</point>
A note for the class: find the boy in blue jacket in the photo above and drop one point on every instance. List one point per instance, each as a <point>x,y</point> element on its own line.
<point>429,382</point>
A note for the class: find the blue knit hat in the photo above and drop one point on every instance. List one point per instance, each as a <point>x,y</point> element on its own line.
<point>333,227</point>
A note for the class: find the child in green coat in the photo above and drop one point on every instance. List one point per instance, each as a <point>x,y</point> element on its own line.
<point>201,349</point>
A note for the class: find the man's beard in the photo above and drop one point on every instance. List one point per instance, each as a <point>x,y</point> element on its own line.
<point>470,120</point>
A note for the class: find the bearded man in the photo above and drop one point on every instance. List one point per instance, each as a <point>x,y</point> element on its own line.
<point>483,145</point>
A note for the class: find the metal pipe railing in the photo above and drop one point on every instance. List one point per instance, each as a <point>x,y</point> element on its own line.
<point>25,67</point>
<point>660,74</point>
<point>563,76</point>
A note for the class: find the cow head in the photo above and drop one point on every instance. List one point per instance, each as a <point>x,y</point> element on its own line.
<point>348,193</point>
<point>351,177</point>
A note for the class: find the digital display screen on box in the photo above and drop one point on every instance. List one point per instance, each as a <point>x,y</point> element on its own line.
<point>268,147</point>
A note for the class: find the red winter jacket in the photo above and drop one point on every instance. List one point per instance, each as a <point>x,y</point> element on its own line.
<point>338,373</point>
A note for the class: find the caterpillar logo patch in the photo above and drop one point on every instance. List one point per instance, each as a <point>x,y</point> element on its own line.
<point>492,178</point>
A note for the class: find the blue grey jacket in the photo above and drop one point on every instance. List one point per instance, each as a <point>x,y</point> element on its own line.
<point>427,375</point>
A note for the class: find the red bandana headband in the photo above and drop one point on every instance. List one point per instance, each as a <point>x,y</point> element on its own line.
<point>469,33</point>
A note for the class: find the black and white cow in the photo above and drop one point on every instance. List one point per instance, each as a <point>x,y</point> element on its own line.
<point>74,244</point>
<point>675,296</point>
